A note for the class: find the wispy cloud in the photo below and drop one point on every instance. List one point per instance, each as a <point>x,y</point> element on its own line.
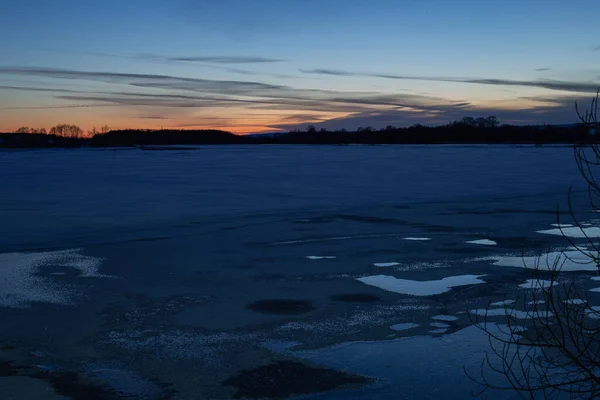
<point>39,89</point>
<point>565,86</point>
<point>226,59</point>
<point>174,95</point>
<point>542,69</point>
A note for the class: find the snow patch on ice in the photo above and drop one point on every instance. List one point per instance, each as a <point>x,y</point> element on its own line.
<point>386,264</point>
<point>562,225</point>
<point>417,239</point>
<point>511,313</point>
<point>321,257</point>
<point>567,261</point>
<point>21,283</point>
<point>404,326</point>
<point>445,318</point>
<point>483,242</point>
<point>438,331</point>
<point>575,301</point>
<point>502,303</point>
<point>420,288</point>
<point>536,284</point>
<point>574,232</point>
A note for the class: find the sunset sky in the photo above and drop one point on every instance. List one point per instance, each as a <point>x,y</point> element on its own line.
<point>263,65</point>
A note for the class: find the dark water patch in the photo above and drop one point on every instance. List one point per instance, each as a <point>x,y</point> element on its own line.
<point>8,346</point>
<point>128,385</point>
<point>153,239</point>
<point>283,379</point>
<point>7,369</point>
<point>355,298</point>
<point>281,306</point>
<point>69,384</point>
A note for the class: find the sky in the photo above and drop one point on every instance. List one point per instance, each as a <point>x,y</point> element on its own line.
<point>268,65</point>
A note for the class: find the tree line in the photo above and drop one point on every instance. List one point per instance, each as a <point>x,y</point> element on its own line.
<point>64,130</point>
<point>468,130</point>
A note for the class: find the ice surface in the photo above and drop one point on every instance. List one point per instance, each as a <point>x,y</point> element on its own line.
<point>321,257</point>
<point>595,289</point>
<point>536,284</point>
<point>562,225</point>
<point>569,260</point>
<point>574,232</point>
<point>502,303</point>
<point>483,242</point>
<point>518,314</point>
<point>386,264</point>
<point>575,301</point>
<point>420,288</point>
<point>595,278</point>
<point>21,284</point>
<point>439,325</point>
<point>417,239</point>
<point>536,302</point>
<point>438,331</point>
<point>444,318</point>
<point>404,326</point>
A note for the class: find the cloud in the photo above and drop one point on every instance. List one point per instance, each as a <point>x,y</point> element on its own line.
<point>39,89</point>
<point>542,69</point>
<point>175,95</point>
<point>226,59</point>
<point>566,86</point>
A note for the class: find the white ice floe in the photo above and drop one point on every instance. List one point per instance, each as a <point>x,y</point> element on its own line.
<point>21,281</point>
<point>562,225</point>
<point>446,318</point>
<point>420,288</point>
<point>512,313</point>
<point>575,301</point>
<point>483,242</point>
<point>404,326</point>
<point>439,325</point>
<point>567,261</point>
<point>417,239</point>
<point>536,302</point>
<point>536,284</point>
<point>574,232</point>
<point>321,257</point>
<point>502,303</point>
<point>593,312</point>
<point>595,289</point>
<point>386,264</point>
<point>438,331</point>
<point>595,278</point>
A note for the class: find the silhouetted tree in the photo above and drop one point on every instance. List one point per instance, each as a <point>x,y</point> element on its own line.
<point>555,352</point>
<point>69,131</point>
<point>492,122</point>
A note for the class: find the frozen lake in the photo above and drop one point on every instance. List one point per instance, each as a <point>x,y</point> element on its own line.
<point>168,273</point>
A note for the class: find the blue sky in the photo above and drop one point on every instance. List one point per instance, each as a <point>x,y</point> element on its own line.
<point>266,65</point>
